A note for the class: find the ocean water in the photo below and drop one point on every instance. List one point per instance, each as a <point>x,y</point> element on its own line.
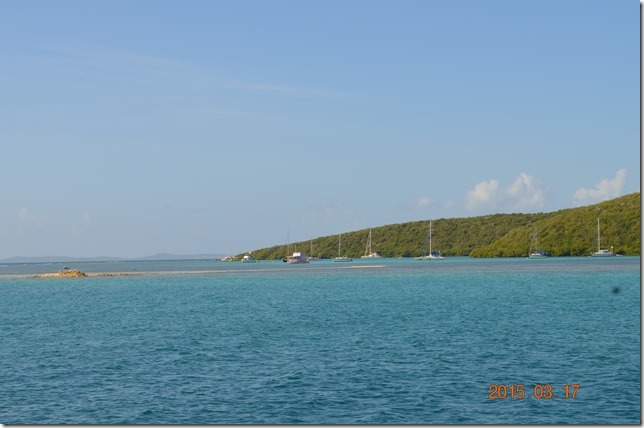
<point>390,341</point>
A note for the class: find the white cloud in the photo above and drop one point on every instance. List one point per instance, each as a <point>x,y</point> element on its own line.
<point>422,202</point>
<point>86,218</point>
<point>27,219</point>
<point>524,194</point>
<point>604,190</point>
<point>163,71</point>
<point>484,195</point>
<point>24,216</point>
<point>419,204</point>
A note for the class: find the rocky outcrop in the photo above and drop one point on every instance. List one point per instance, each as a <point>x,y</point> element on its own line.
<point>65,273</point>
<point>72,273</point>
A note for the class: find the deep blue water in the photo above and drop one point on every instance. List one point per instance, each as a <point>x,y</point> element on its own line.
<point>406,343</point>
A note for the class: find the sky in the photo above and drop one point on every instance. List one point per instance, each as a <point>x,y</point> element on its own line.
<point>129,128</point>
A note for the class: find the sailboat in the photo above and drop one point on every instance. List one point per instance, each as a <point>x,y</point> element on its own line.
<point>313,258</point>
<point>340,257</point>
<point>429,255</point>
<point>368,254</point>
<point>288,247</point>
<point>536,254</point>
<point>600,252</point>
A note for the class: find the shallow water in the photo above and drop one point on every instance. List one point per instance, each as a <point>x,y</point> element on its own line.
<point>392,342</point>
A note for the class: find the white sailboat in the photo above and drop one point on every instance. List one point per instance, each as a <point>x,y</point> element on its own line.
<point>536,254</point>
<point>313,258</point>
<point>429,255</point>
<point>340,257</point>
<point>368,254</point>
<point>601,252</point>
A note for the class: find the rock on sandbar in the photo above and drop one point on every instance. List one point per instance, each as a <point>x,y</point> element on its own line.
<point>66,273</point>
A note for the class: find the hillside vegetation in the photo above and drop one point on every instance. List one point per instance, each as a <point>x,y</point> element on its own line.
<point>569,232</point>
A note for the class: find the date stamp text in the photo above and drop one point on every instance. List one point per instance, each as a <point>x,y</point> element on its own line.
<point>538,391</point>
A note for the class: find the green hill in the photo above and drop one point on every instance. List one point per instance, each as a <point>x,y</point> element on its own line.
<point>573,232</point>
<point>569,232</point>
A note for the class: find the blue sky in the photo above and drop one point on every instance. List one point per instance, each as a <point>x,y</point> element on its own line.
<point>135,127</point>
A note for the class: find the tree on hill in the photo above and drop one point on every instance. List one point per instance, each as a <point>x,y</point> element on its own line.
<point>569,232</point>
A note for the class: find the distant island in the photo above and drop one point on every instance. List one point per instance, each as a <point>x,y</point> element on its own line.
<point>65,259</point>
<point>567,232</point>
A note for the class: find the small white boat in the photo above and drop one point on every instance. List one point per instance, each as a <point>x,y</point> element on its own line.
<point>431,255</point>
<point>297,258</point>
<point>601,252</point>
<point>371,256</point>
<point>536,254</point>
<point>434,256</point>
<point>368,254</point>
<point>340,257</point>
<point>249,259</point>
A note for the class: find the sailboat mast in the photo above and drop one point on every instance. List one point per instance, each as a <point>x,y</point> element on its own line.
<point>288,243</point>
<point>536,239</point>
<point>430,237</point>
<point>368,249</point>
<point>599,246</point>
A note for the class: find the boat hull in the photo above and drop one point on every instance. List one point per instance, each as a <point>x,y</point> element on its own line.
<point>297,258</point>
<point>602,253</point>
<point>371,256</point>
<point>537,256</point>
<point>296,261</point>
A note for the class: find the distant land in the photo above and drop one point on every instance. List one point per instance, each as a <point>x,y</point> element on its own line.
<point>567,232</point>
<point>65,259</point>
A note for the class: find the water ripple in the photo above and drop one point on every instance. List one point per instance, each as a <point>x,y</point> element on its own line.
<point>405,344</point>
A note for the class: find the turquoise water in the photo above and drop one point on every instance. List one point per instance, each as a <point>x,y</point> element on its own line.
<point>405,343</point>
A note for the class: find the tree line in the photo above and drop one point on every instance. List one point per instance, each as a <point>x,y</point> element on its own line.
<point>569,232</point>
